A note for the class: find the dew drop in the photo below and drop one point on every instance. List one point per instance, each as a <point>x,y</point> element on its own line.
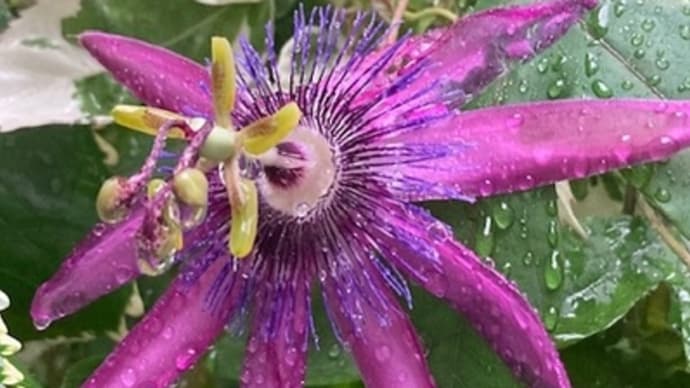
<point>335,351</point>
<point>556,89</point>
<point>598,21</point>
<point>551,318</point>
<point>553,272</point>
<point>627,85</point>
<point>648,25</point>
<point>684,31</point>
<point>528,258</point>
<point>662,195</point>
<point>601,89</point>
<point>503,215</point>
<point>301,209</point>
<point>552,233</point>
<point>185,360</point>
<point>485,238</point>
<point>128,377</point>
<point>382,353</point>
<point>591,65</point>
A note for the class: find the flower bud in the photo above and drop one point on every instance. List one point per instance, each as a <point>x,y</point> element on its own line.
<point>110,200</point>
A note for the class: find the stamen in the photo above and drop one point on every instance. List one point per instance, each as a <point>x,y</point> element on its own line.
<point>245,217</point>
<point>264,134</point>
<point>146,119</point>
<point>223,80</point>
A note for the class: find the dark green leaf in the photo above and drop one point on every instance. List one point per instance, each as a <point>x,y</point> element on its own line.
<point>48,180</point>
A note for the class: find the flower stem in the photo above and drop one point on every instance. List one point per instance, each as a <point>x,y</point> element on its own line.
<point>433,11</point>
<point>659,225</point>
<point>396,21</point>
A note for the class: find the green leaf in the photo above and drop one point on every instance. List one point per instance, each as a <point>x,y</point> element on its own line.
<point>609,361</point>
<point>77,373</point>
<point>49,177</point>
<point>5,15</point>
<point>579,287</point>
<point>458,356</point>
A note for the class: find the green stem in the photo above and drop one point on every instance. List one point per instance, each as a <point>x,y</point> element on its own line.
<point>433,12</point>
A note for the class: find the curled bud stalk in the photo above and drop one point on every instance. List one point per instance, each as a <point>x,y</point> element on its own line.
<point>111,202</point>
<point>181,203</point>
<point>9,375</point>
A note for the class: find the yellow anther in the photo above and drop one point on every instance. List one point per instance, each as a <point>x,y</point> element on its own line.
<point>222,80</point>
<point>191,187</point>
<point>264,134</point>
<point>146,119</point>
<point>245,217</point>
<point>109,200</point>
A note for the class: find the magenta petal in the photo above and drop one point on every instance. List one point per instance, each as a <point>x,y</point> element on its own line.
<point>157,76</point>
<point>478,48</point>
<point>424,249</point>
<point>277,347</point>
<point>173,335</point>
<point>519,147</point>
<point>104,261</point>
<point>387,354</point>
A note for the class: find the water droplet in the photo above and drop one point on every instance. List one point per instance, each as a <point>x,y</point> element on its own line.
<point>648,25</point>
<point>556,89</point>
<point>335,351</point>
<point>301,209</point>
<point>552,233</point>
<point>291,357</point>
<point>662,63</point>
<point>185,360</point>
<point>503,215</point>
<point>128,377</point>
<point>485,238</point>
<point>654,80</point>
<point>601,90</point>
<point>639,53</point>
<point>382,353</point>
<point>619,9</point>
<point>627,85</point>
<point>528,258</point>
<point>543,65</point>
<point>523,86</point>
<point>552,208</point>
<point>553,272</point>
<point>551,318</point>
<point>684,31</point>
<point>662,195</point>
<point>637,39</point>
<point>598,21</point>
<point>591,64</point>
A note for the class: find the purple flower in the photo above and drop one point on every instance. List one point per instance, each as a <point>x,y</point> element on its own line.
<point>318,189</point>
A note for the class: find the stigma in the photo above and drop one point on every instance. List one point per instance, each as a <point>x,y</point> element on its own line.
<point>180,202</point>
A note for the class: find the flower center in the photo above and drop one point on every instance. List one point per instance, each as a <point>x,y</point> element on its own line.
<point>298,174</point>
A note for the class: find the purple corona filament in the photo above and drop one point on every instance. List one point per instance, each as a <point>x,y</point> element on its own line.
<point>380,131</point>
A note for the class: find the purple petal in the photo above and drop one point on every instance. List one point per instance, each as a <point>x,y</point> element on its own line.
<point>424,249</point>
<point>173,335</point>
<point>477,49</point>
<point>104,261</point>
<point>156,76</point>
<point>519,147</point>
<point>387,354</point>
<point>277,347</point>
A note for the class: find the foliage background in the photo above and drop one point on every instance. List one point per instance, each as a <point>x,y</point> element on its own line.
<point>617,302</point>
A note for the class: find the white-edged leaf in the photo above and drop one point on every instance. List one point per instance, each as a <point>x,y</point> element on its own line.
<point>38,68</point>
